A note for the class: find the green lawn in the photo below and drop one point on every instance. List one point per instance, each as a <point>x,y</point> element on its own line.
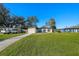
<point>6,36</point>
<point>64,44</point>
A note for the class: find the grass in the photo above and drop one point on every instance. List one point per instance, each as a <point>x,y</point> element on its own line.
<point>50,44</point>
<point>6,36</point>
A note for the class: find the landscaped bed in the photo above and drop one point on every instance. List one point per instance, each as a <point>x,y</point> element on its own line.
<point>45,44</point>
<point>6,36</point>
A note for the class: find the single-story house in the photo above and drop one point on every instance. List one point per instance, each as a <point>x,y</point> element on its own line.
<point>46,29</point>
<point>70,29</point>
<point>43,29</point>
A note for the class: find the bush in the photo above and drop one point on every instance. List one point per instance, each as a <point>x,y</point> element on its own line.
<point>58,30</point>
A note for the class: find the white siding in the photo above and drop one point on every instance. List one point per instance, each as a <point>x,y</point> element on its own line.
<point>31,30</point>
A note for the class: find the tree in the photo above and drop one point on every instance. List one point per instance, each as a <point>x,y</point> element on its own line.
<point>12,21</point>
<point>31,21</point>
<point>52,23</point>
<point>18,21</point>
<point>4,16</point>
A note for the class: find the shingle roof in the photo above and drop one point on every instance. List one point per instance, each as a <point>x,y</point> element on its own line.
<point>45,27</point>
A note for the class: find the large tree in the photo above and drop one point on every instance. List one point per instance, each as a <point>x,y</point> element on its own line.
<point>31,21</point>
<point>8,20</point>
<point>4,16</point>
<point>52,23</point>
<point>18,21</point>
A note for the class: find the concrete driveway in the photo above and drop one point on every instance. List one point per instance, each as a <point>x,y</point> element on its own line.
<point>7,42</point>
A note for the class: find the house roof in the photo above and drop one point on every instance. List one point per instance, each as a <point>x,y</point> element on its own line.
<point>45,27</point>
<point>71,28</point>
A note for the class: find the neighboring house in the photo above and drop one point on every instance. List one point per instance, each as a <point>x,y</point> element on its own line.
<point>70,29</point>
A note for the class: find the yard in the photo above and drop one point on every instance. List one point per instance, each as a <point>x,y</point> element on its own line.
<point>46,44</point>
<point>6,36</point>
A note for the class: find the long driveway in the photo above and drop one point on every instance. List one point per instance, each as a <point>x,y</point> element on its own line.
<point>7,42</point>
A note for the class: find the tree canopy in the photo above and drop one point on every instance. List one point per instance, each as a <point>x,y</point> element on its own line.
<point>31,21</point>
<point>4,15</point>
<point>52,23</point>
<point>7,20</point>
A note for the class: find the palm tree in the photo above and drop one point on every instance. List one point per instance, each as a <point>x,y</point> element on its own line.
<point>52,24</point>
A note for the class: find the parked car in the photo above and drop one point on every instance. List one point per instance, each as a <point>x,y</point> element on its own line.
<point>5,31</point>
<point>14,31</point>
<point>9,30</point>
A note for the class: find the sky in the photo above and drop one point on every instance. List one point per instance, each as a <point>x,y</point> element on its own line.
<point>65,14</point>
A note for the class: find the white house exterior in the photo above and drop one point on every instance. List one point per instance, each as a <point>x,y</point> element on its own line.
<point>39,30</point>
<point>32,30</point>
<point>70,30</point>
<point>46,29</point>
